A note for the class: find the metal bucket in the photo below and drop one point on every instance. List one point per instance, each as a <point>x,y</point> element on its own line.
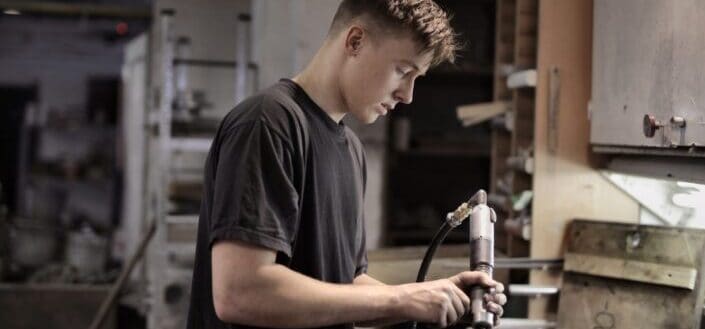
<point>86,251</point>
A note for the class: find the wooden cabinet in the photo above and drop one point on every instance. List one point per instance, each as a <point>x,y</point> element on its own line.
<point>567,183</point>
<point>647,59</point>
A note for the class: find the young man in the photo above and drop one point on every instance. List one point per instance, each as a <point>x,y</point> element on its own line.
<point>281,240</point>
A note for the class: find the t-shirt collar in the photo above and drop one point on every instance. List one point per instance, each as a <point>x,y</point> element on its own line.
<point>338,128</point>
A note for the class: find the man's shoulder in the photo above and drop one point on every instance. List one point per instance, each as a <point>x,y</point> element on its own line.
<point>274,106</point>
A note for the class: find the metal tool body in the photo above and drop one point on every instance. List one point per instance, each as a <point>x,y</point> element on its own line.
<point>482,220</point>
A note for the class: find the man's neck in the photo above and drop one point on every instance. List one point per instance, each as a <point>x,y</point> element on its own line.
<point>320,82</point>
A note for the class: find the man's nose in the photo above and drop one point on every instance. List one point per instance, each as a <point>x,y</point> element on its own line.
<point>405,94</point>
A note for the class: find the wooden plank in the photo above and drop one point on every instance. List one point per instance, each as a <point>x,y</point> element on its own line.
<point>588,302</point>
<point>477,113</point>
<point>645,253</point>
<point>662,274</point>
<point>565,184</point>
<point>522,79</point>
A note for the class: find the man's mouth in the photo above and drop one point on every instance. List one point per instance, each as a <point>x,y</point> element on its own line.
<point>384,108</point>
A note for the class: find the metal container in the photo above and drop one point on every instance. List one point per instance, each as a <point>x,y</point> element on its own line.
<point>86,251</point>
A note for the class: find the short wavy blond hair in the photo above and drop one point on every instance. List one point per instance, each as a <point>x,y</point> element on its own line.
<point>428,23</point>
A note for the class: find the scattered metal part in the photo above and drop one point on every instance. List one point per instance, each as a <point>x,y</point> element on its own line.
<point>650,125</point>
<point>633,240</point>
<point>678,122</point>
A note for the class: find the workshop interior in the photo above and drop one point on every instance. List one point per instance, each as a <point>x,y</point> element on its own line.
<point>563,153</point>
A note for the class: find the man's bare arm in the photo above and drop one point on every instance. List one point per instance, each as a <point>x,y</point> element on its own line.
<point>250,288</point>
<point>364,279</point>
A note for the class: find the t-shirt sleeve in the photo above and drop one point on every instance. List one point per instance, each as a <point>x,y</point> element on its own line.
<point>254,199</point>
<point>361,267</point>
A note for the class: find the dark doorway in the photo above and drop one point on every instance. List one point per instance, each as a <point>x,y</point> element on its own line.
<point>13,102</point>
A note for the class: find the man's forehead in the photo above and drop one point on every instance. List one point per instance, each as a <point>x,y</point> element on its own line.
<point>406,49</point>
<point>412,54</point>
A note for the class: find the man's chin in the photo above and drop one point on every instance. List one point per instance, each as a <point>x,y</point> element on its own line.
<point>367,118</point>
<point>371,119</point>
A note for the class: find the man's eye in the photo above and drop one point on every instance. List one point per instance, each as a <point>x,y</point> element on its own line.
<point>400,71</point>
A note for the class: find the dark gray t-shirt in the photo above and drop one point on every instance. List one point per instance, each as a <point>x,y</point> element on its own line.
<point>288,182</point>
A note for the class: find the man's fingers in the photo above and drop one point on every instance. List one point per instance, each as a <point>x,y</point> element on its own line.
<point>496,298</point>
<point>464,299</point>
<point>499,288</point>
<point>451,317</point>
<point>500,299</point>
<point>469,278</point>
<point>495,308</point>
<point>458,308</point>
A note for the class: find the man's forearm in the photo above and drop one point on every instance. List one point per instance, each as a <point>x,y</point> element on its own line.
<point>250,289</point>
<point>365,279</point>
<point>279,297</point>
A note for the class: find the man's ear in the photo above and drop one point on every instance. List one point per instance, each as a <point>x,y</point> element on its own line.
<point>354,40</point>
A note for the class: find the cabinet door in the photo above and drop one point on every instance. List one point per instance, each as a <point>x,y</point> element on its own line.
<point>648,59</point>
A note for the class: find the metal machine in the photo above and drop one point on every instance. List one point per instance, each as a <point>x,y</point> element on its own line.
<point>481,233</point>
<point>181,78</point>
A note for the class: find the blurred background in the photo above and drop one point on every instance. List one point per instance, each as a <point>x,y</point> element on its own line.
<point>108,108</point>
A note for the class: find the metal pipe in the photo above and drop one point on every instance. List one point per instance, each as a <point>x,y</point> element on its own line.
<point>528,263</point>
<point>509,323</point>
<point>531,290</point>
<point>75,9</point>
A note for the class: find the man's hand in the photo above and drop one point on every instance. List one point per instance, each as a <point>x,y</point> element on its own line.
<point>495,299</point>
<point>440,302</point>
<point>443,302</point>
